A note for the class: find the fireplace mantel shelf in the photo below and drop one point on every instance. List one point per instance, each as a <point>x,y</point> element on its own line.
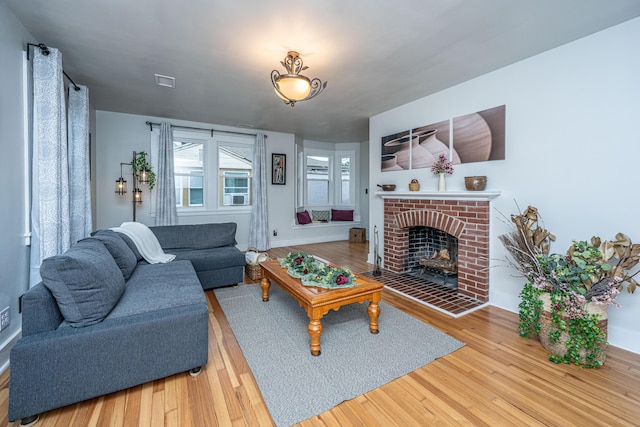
<point>440,195</point>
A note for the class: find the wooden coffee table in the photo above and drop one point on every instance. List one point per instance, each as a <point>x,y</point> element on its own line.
<point>318,301</point>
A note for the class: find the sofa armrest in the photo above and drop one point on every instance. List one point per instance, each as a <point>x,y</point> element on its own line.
<point>57,368</point>
<point>40,311</point>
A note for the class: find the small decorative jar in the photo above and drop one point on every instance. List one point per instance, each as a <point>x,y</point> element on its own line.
<point>475,183</point>
<point>414,185</point>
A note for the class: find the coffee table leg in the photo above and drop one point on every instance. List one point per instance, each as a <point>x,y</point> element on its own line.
<point>315,330</point>
<point>265,284</point>
<point>374,312</point>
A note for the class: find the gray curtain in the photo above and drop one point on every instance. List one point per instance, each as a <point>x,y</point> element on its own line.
<point>79,163</point>
<point>50,228</point>
<point>259,226</point>
<point>166,211</point>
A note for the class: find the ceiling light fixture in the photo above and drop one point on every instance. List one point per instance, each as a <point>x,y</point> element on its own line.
<point>292,86</point>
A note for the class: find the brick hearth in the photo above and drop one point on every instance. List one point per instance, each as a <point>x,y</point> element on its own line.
<point>464,219</point>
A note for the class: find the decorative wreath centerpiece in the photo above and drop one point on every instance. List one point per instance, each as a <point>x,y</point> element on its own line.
<point>300,264</point>
<point>312,272</point>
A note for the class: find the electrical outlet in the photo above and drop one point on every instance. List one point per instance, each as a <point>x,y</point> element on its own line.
<point>275,232</point>
<point>4,318</point>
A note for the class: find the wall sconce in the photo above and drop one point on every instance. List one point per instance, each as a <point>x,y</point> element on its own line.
<point>143,175</point>
<point>121,183</point>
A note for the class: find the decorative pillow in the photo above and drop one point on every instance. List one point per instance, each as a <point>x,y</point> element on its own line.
<point>119,250</point>
<point>341,215</point>
<point>320,215</point>
<point>303,217</point>
<point>85,281</point>
<point>131,245</point>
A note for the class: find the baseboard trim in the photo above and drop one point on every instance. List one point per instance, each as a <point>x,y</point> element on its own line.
<point>307,240</point>
<point>5,350</point>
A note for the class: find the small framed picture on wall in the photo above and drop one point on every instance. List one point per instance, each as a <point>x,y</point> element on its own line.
<point>279,165</point>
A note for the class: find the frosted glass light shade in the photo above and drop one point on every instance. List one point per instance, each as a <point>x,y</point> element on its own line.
<point>293,87</point>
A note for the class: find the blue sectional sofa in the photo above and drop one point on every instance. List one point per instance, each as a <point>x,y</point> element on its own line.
<point>211,248</point>
<point>104,320</point>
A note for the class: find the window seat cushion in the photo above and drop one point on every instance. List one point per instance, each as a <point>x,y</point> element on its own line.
<point>341,214</point>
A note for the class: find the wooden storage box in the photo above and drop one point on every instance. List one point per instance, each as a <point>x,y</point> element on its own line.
<point>357,235</point>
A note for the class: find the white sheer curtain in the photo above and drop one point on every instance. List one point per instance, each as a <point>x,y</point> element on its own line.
<point>79,162</point>
<point>50,187</point>
<point>166,211</point>
<point>259,226</point>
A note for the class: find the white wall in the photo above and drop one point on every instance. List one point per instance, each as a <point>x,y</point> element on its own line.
<point>14,254</point>
<point>572,148</point>
<point>119,134</point>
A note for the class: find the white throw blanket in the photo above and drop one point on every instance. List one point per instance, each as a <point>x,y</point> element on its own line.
<point>146,242</point>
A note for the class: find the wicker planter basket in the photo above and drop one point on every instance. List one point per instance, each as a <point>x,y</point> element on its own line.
<point>559,348</point>
<point>253,270</point>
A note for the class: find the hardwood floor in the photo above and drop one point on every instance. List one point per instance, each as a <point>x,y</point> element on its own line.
<point>497,379</point>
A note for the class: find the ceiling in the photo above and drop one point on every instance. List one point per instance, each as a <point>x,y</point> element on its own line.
<point>374,54</point>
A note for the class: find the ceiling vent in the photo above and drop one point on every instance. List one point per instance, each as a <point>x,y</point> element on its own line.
<point>165,81</point>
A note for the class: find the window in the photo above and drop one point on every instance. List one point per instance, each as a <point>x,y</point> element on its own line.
<point>327,178</point>
<point>318,180</point>
<point>235,166</point>
<point>196,192</point>
<point>188,164</point>
<point>211,173</point>
<point>345,179</point>
<point>235,190</point>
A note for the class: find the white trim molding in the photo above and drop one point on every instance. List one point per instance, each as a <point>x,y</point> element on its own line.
<point>440,195</point>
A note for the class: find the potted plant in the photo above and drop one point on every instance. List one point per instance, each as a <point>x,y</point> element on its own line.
<point>142,169</point>
<point>565,299</point>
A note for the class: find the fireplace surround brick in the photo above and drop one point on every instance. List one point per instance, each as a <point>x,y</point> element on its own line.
<point>464,219</point>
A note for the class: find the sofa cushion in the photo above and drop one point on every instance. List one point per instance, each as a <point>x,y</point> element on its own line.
<point>196,236</point>
<point>320,215</point>
<point>85,281</point>
<point>212,258</point>
<point>341,215</point>
<point>303,217</point>
<point>119,250</point>
<point>157,287</point>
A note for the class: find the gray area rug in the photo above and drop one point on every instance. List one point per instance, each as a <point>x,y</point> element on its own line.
<point>296,385</point>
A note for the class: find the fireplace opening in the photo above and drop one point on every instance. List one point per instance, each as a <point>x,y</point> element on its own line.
<point>433,255</point>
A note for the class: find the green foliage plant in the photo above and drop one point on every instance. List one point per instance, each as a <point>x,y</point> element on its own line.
<point>590,272</point>
<point>140,163</point>
<point>529,311</point>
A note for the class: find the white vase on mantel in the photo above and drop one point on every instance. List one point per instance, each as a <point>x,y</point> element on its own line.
<point>441,182</point>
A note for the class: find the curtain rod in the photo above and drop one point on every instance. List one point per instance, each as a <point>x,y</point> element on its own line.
<point>45,51</point>
<point>151,125</point>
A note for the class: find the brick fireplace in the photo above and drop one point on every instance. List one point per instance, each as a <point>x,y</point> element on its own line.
<point>467,220</point>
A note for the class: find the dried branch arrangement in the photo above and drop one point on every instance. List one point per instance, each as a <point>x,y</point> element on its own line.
<point>526,241</point>
<point>529,241</point>
<point>622,255</point>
